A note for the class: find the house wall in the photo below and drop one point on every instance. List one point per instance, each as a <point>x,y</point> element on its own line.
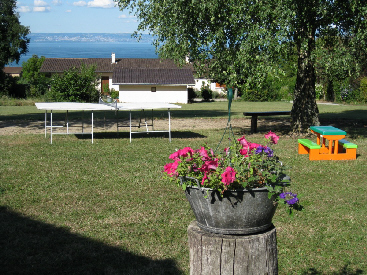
<point>143,93</point>
<point>111,86</point>
<point>199,82</point>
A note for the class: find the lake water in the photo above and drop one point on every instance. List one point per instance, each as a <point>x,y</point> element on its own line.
<point>75,49</point>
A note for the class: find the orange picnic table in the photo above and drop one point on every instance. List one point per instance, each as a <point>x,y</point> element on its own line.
<point>330,145</point>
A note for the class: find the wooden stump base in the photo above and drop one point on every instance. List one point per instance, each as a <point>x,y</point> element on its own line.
<point>232,254</point>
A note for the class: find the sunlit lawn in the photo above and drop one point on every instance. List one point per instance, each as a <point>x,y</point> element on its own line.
<point>79,208</point>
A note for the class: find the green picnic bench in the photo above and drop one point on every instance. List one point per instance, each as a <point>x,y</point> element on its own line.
<point>255,115</point>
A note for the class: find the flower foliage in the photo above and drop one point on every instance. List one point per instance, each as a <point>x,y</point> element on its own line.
<point>244,165</point>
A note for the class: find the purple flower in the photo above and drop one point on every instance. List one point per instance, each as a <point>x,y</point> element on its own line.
<point>269,152</point>
<point>289,197</point>
<point>264,149</point>
<point>259,149</point>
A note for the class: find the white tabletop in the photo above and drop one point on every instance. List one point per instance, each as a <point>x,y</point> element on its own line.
<point>73,106</point>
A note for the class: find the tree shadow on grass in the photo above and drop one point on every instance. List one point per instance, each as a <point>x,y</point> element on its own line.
<point>345,270</point>
<point>126,135</point>
<point>33,247</point>
<point>353,122</point>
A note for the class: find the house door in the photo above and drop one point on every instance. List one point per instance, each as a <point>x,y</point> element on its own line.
<point>105,85</point>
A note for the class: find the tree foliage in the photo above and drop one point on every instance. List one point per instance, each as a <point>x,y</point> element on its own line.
<point>13,35</point>
<point>13,43</point>
<point>75,85</point>
<point>38,82</point>
<point>241,42</point>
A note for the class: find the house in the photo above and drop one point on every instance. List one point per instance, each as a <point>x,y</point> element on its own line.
<point>136,79</point>
<point>13,71</point>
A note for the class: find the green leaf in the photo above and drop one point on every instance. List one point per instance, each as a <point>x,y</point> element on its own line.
<point>184,186</point>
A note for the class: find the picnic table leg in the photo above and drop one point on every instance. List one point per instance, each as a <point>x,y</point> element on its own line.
<point>254,124</point>
<point>336,145</point>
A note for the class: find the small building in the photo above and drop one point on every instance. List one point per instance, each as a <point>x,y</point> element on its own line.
<point>136,79</point>
<point>13,71</point>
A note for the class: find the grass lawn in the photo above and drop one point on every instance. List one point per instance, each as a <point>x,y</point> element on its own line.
<point>79,208</point>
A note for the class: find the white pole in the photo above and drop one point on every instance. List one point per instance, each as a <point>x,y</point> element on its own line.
<point>92,127</point>
<point>130,126</point>
<point>45,123</point>
<point>51,126</point>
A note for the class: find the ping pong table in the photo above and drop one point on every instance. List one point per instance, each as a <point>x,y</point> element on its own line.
<point>102,106</point>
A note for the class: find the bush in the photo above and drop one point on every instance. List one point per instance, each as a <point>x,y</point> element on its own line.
<point>37,82</point>
<point>363,90</point>
<point>261,95</point>
<point>75,85</point>
<point>270,90</point>
<point>10,87</point>
<point>114,94</point>
<point>206,93</point>
<point>319,90</point>
<point>191,95</point>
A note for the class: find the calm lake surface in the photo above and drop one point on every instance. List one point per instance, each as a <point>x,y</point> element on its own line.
<point>88,49</point>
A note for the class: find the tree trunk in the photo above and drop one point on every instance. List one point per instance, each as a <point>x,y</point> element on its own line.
<point>305,112</point>
<point>212,254</point>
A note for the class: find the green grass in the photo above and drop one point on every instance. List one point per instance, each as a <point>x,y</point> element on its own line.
<point>79,208</point>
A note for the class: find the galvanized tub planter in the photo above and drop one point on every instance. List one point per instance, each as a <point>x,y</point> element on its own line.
<point>239,212</point>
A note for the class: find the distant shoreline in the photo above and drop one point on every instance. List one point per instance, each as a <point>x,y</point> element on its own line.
<point>89,37</point>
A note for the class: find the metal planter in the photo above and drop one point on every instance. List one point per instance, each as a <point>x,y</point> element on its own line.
<point>238,212</point>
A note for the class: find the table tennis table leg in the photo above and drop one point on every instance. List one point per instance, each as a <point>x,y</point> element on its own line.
<point>51,126</point>
<point>130,125</point>
<point>67,121</point>
<point>45,123</point>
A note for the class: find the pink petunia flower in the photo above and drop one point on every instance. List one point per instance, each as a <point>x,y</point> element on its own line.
<point>203,153</point>
<point>243,141</point>
<point>228,176</point>
<point>182,153</point>
<point>244,152</point>
<point>273,137</point>
<point>253,146</point>
<point>209,165</point>
<point>170,168</point>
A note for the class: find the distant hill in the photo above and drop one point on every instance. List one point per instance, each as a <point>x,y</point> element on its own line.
<point>88,37</point>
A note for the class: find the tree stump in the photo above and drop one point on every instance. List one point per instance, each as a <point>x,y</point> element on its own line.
<point>232,254</point>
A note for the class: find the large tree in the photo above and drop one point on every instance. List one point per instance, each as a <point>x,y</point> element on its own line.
<point>13,35</point>
<point>240,42</point>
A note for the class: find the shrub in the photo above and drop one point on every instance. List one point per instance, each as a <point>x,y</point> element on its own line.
<point>36,81</point>
<point>191,94</point>
<point>10,87</point>
<point>319,90</point>
<point>363,90</point>
<point>270,90</point>
<point>114,94</point>
<point>206,93</point>
<point>75,85</point>
<point>261,95</point>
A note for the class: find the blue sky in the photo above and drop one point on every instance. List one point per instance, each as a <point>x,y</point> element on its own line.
<point>75,16</point>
